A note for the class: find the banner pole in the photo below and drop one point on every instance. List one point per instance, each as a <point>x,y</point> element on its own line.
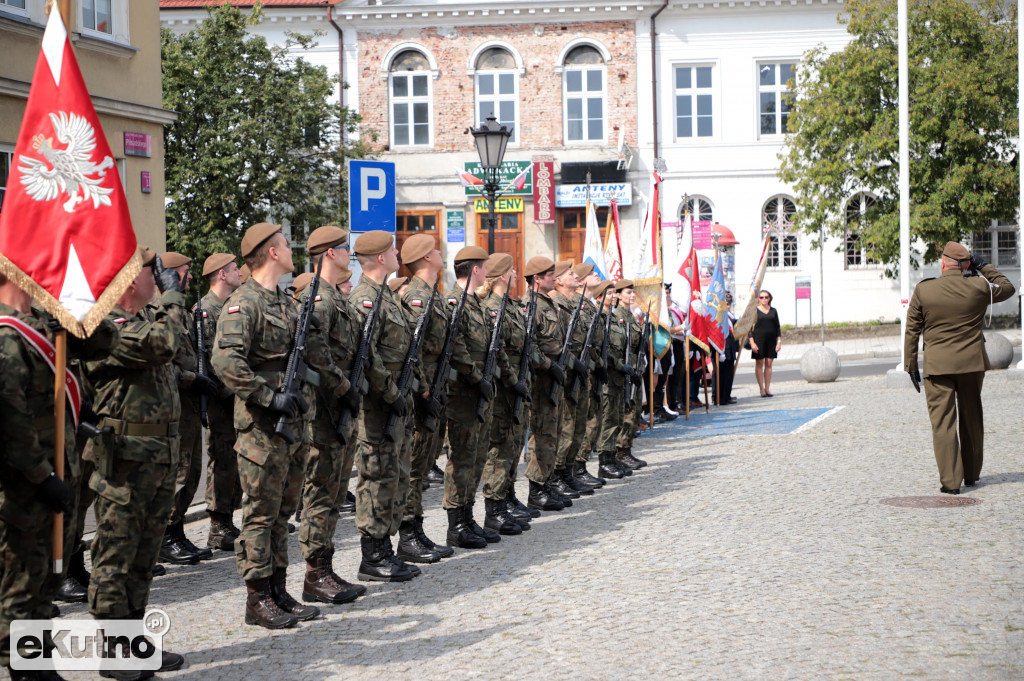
<point>704,380</point>
<point>718,386</point>
<point>650,381</point>
<point>58,443</point>
<point>686,397</point>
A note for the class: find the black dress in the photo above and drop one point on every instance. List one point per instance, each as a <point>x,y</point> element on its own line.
<point>766,333</point>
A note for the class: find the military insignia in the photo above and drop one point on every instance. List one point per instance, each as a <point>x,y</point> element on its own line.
<point>120,320</point>
<point>233,309</point>
<point>416,303</point>
<point>367,303</point>
<point>204,314</point>
<point>494,313</point>
<point>317,299</point>
<point>452,301</point>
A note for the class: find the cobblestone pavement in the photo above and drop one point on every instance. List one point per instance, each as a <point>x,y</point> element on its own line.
<point>736,556</point>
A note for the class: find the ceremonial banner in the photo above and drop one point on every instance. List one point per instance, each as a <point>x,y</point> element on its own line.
<point>612,250</point>
<point>66,235</point>
<point>746,321</point>
<point>715,308</point>
<point>593,252</point>
<point>648,282</point>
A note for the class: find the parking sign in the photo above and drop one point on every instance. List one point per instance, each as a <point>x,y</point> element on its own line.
<point>371,196</point>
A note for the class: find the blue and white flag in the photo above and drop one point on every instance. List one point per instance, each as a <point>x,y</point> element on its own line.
<point>593,249</point>
<point>715,308</point>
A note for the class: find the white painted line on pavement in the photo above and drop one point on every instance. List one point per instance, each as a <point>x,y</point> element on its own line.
<point>816,419</point>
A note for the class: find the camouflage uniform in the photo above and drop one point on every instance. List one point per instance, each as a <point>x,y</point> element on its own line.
<point>631,416</point>
<point>543,445</point>
<point>567,428</point>
<point>254,337</point>
<point>190,429</point>
<point>613,395</point>
<point>593,422</point>
<point>136,467</point>
<point>383,471</point>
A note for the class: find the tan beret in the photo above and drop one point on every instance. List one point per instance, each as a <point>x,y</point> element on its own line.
<point>471,253</point>
<point>170,259</point>
<point>536,265</point>
<point>244,271</point>
<point>325,237</point>
<point>256,235</point>
<point>561,267</point>
<point>956,251</point>
<point>623,283</point>
<point>417,246</point>
<point>498,265</point>
<point>301,282</point>
<point>598,290</point>
<point>397,283</point>
<point>584,270</point>
<point>146,255</point>
<point>374,243</point>
<point>344,276</point>
<point>216,262</point>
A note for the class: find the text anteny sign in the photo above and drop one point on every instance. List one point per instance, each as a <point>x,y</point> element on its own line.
<point>575,195</point>
<point>505,204</point>
<point>544,190</point>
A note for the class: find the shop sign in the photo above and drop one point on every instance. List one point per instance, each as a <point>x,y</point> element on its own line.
<point>504,204</point>
<point>508,172</point>
<point>575,195</point>
<point>544,191</point>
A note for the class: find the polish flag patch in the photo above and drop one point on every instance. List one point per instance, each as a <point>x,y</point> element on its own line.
<point>416,303</point>
<point>367,303</point>
<point>204,314</point>
<point>317,299</point>
<point>120,320</point>
<point>233,309</point>
<point>452,301</point>
<point>494,313</point>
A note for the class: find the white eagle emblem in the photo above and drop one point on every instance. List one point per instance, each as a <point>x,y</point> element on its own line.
<point>72,166</point>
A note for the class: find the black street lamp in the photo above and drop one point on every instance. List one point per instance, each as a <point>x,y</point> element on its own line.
<point>491,140</point>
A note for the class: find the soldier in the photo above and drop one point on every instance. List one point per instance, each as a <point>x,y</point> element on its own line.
<point>620,372</point>
<point>548,338</point>
<point>624,449</point>
<point>949,311</point>
<point>136,464</point>
<point>223,490</point>
<point>177,549</point>
<point>579,450</point>
<point>348,500</point>
<point>421,255</point>
<point>250,355</point>
<point>600,374</point>
<point>383,471</point>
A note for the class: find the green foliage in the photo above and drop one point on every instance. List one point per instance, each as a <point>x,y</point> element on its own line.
<point>963,125</point>
<point>256,139</point>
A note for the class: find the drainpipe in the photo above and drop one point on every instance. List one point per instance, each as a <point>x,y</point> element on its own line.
<point>341,55</point>
<point>654,76</point>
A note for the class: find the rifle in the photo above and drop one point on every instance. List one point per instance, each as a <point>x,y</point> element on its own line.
<point>439,388</point>
<point>492,354</point>
<point>645,329</point>
<point>296,370</point>
<point>411,359</point>
<point>359,363</point>
<point>575,389</point>
<point>604,343</point>
<point>524,361</point>
<point>201,355</point>
<point>566,346</point>
<point>629,341</point>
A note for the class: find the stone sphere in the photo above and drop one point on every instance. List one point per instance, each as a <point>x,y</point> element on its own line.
<point>820,364</point>
<point>999,350</point>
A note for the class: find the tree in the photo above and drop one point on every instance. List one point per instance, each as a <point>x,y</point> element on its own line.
<point>963,125</point>
<point>256,138</point>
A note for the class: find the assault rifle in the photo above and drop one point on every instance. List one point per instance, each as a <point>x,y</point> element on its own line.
<point>628,393</point>
<point>201,355</point>
<point>645,329</point>
<point>439,388</point>
<point>604,343</point>
<point>575,388</point>
<point>357,376</point>
<point>411,359</point>
<point>492,354</point>
<point>525,367</point>
<point>296,371</point>
<point>567,345</point>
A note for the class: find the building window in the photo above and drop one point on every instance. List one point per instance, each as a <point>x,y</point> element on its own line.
<point>583,95</point>
<point>497,89</point>
<point>777,219</point>
<point>698,207</point>
<point>96,16</point>
<point>694,101</point>
<point>998,245</point>
<point>13,4</point>
<point>857,221</point>
<point>774,96</point>
<point>5,171</point>
<point>410,90</point>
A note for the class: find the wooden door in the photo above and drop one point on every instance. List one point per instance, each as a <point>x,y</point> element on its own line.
<point>508,238</point>
<point>415,222</point>
<point>572,232</point>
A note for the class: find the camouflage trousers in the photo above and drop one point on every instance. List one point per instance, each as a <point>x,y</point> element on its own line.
<point>223,489</point>
<point>468,439</point>
<point>573,429</point>
<point>612,406</point>
<point>593,421</point>
<point>190,460</point>
<point>348,461</point>
<point>425,448</point>
<point>505,445</point>
<point>132,507</point>
<point>566,428</point>
<point>630,419</point>
<point>544,423</point>
<point>383,471</point>
<point>271,472</point>
<point>322,489</point>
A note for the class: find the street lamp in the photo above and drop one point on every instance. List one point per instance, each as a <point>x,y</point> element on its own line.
<point>491,140</point>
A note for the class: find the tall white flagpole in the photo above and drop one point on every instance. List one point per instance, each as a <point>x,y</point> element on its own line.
<point>904,188</point>
<point>1020,156</point>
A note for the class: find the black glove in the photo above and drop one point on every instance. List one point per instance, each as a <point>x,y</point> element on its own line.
<point>54,493</point>
<point>289,404</point>
<point>521,390</point>
<point>53,325</point>
<point>977,262</point>
<point>486,389</point>
<point>399,407</point>
<point>353,399</point>
<point>627,371</point>
<point>601,372</point>
<point>557,373</point>
<point>432,407</point>
<point>637,378</point>
<point>86,413</point>
<point>206,386</point>
<point>915,378</point>
<point>166,280</point>
<point>580,368</point>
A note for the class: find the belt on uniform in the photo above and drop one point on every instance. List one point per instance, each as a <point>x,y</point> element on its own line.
<point>430,360</point>
<point>394,366</point>
<point>272,365</point>
<point>141,429</point>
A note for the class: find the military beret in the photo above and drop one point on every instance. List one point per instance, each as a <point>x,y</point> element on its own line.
<point>325,237</point>
<point>148,256</point>
<point>537,265</point>
<point>471,253</point>
<point>598,290</point>
<point>244,271</point>
<point>417,246</point>
<point>583,270</point>
<point>374,243</point>
<point>301,282</point>
<point>216,262</point>
<point>344,276</point>
<point>170,259</point>
<point>623,283</point>
<point>498,265</point>
<point>397,283</point>
<point>256,235</point>
<point>561,267</point>
<point>956,251</point>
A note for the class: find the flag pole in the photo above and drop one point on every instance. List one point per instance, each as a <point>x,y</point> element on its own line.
<point>718,386</point>
<point>686,397</point>
<point>65,14</point>
<point>650,381</point>
<point>704,380</point>
<point>58,443</point>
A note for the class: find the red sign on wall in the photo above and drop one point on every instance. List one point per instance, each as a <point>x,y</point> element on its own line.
<point>544,190</point>
<point>138,144</point>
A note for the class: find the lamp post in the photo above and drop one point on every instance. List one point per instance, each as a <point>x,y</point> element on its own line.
<point>491,139</point>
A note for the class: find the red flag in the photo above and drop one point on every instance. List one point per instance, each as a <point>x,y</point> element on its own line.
<point>66,235</point>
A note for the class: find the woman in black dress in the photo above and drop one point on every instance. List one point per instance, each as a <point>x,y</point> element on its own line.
<point>765,341</point>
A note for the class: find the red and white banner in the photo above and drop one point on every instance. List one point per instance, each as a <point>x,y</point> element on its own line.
<point>66,236</point>
<point>612,248</point>
<point>543,192</point>
<point>42,345</point>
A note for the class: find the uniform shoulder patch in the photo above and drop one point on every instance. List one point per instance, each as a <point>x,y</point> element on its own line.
<point>120,320</point>
<point>494,313</point>
<point>317,299</point>
<point>233,309</point>
<point>416,303</point>
<point>453,301</point>
<point>205,315</point>
<point>367,303</point>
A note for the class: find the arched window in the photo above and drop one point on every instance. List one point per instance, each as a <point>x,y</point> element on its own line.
<point>497,89</point>
<point>583,95</point>
<point>699,208</point>
<point>777,219</point>
<point>411,100</point>
<point>857,216</point>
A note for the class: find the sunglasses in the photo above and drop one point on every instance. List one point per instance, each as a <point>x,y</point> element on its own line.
<point>764,297</point>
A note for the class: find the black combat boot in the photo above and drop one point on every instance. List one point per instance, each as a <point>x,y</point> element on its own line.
<point>632,461</point>
<point>581,474</point>
<point>435,474</point>
<point>607,468</point>
<point>320,584</point>
<point>496,518</point>
<point>572,483</point>
<point>553,491</point>
<point>460,534</point>
<point>518,508</point>
<point>359,589</point>
<point>377,565</point>
<point>557,483</point>
<point>411,548</point>
<point>221,535</point>
<point>202,554</point>
<point>349,505</point>
<point>443,551</point>
<point>541,499</point>
<point>623,459</point>
<point>489,537</point>
<point>617,461</point>
<point>284,600</point>
<point>72,590</point>
<point>261,609</point>
<point>174,550</point>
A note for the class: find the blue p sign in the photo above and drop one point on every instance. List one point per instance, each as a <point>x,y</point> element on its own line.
<point>371,194</point>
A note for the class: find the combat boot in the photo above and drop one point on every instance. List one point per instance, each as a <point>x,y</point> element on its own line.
<point>622,459</point>
<point>284,600</point>
<point>411,548</point>
<point>174,550</point>
<point>359,589</point>
<point>557,484</point>
<point>349,505</point>
<point>435,474</point>
<point>541,499</point>
<point>583,476</point>
<point>518,508</point>
<point>460,534</point>
<point>72,589</point>
<point>489,537</point>
<point>617,461</point>
<point>201,554</point>
<point>320,585</point>
<point>261,609</point>
<point>376,565</point>
<point>442,551</point>
<point>632,461</point>
<point>565,501</point>
<point>496,518</point>
<point>221,536</point>
<point>575,485</point>
<point>607,468</point>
